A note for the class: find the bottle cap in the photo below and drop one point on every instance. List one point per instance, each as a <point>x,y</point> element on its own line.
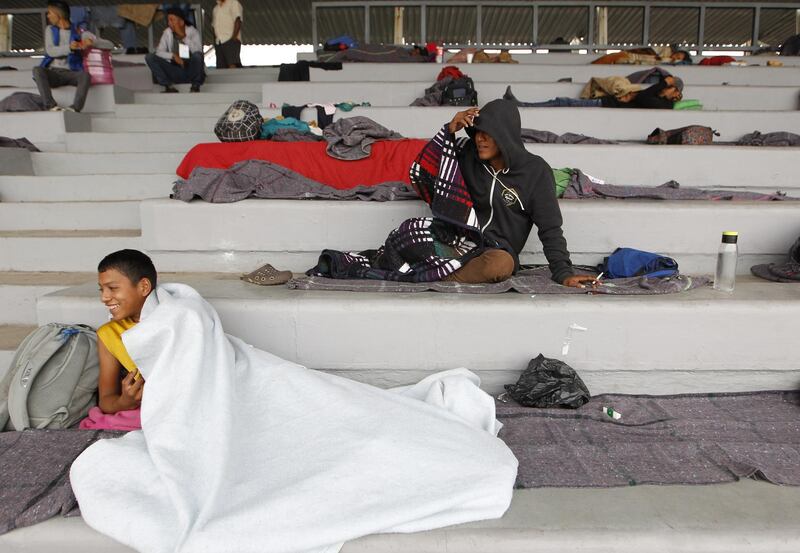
<point>730,237</point>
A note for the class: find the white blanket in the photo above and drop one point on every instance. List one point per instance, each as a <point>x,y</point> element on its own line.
<point>241,451</point>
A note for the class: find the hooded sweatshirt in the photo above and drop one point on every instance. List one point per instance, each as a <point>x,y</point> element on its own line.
<point>509,202</point>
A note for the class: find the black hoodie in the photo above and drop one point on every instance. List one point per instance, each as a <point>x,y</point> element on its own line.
<point>509,202</point>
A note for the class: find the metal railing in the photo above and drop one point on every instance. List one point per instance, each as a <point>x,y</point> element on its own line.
<point>196,8</point>
<point>592,8</point>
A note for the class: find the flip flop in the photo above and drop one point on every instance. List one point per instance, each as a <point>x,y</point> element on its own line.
<point>267,276</point>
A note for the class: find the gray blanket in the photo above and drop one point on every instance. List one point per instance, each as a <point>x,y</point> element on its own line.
<point>547,137</point>
<point>680,439</point>
<point>22,101</point>
<point>262,179</point>
<point>528,281</point>
<point>6,142</point>
<point>780,138</point>
<point>433,94</point>
<point>582,188</point>
<point>352,137</point>
<point>34,474</point>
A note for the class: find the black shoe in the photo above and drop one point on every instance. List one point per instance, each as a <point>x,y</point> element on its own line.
<point>195,88</point>
<point>170,89</point>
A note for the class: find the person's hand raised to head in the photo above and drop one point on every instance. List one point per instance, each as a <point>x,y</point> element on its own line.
<point>580,281</point>
<point>463,119</point>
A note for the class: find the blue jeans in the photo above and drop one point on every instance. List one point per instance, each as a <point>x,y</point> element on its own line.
<point>563,102</point>
<point>168,73</point>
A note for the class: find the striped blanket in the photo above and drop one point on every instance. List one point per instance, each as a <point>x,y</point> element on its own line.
<point>421,249</point>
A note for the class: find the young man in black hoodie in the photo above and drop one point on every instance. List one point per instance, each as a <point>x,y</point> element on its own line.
<point>512,190</point>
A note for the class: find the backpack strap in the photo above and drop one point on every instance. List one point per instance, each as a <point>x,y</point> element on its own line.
<point>25,376</point>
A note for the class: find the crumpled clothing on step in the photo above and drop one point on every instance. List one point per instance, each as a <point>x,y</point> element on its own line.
<point>352,137</point>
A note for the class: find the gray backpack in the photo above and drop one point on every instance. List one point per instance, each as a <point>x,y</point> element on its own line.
<point>52,380</point>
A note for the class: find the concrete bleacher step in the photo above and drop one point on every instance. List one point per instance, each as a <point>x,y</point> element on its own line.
<point>100,98</point>
<point>424,122</point>
<point>742,517</point>
<point>58,164</point>
<point>511,73</point>
<point>11,335</point>
<point>20,290</point>
<point>85,188</point>
<point>402,93</point>
<point>157,142</point>
<point>61,250</point>
<point>43,126</point>
<point>179,111</point>
<point>242,75</point>
<point>200,236</point>
<point>696,341</point>
<point>68,215</point>
<point>219,86</point>
<point>196,98</point>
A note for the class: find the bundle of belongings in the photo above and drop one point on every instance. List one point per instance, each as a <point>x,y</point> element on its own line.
<point>779,138</point>
<point>452,88</point>
<point>22,101</point>
<point>380,53</point>
<point>781,272</point>
<point>649,56</point>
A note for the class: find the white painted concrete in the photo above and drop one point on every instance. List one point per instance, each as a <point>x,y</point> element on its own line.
<point>196,98</point>
<point>15,161</point>
<point>511,73</point>
<point>647,344</point>
<point>225,237</point>
<point>85,188</point>
<point>68,215</point>
<point>60,250</point>
<point>713,97</point>
<point>19,305</point>
<point>43,126</point>
<point>95,142</point>
<point>58,164</point>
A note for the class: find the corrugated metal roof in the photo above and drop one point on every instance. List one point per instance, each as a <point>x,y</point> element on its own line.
<point>288,22</point>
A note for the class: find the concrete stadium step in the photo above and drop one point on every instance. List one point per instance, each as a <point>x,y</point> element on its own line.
<point>742,517</point>
<point>24,216</point>
<point>52,164</point>
<point>199,236</point>
<point>424,122</point>
<point>556,69</point>
<point>20,290</point>
<point>179,111</point>
<point>716,97</point>
<point>219,86</point>
<point>62,250</point>
<point>196,98</point>
<point>100,98</point>
<point>85,188</point>
<point>11,335</point>
<point>43,126</point>
<point>242,75</point>
<point>696,341</point>
<point>163,142</point>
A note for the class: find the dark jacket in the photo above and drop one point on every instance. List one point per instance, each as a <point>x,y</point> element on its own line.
<point>508,203</point>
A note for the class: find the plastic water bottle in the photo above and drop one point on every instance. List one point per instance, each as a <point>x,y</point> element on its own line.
<point>725,277</point>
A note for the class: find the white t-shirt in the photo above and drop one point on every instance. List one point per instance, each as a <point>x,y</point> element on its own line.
<point>223,19</point>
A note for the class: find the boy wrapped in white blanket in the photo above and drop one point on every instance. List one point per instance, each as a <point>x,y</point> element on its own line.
<point>241,451</point>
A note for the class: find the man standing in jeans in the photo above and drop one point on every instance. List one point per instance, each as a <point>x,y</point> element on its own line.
<point>63,61</point>
<point>227,22</point>
<point>179,56</point>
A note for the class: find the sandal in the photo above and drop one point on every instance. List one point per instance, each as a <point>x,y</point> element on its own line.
<point>267,276</point>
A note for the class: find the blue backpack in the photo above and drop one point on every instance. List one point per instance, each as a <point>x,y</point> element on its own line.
<point>628,262</point>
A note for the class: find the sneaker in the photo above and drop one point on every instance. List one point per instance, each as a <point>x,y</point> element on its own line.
<point>56,108</point>
<point>169,89</point>
<point>195,88</point>
<point>72,109</point>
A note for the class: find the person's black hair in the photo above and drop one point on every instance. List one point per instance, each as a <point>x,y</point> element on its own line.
<point>60,5</point>
<point>177,12</point>
<point>132,263</point>
<point>687,58</point>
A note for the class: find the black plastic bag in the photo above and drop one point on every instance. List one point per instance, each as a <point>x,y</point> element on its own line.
<point>549,383</point>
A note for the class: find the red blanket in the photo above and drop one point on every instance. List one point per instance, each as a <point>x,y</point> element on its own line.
<point>390,160</point>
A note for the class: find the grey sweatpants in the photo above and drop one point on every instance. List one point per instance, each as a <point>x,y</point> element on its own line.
<point>47,79</point>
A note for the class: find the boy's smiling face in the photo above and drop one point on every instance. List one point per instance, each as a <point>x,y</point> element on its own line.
<point>123,298</point>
